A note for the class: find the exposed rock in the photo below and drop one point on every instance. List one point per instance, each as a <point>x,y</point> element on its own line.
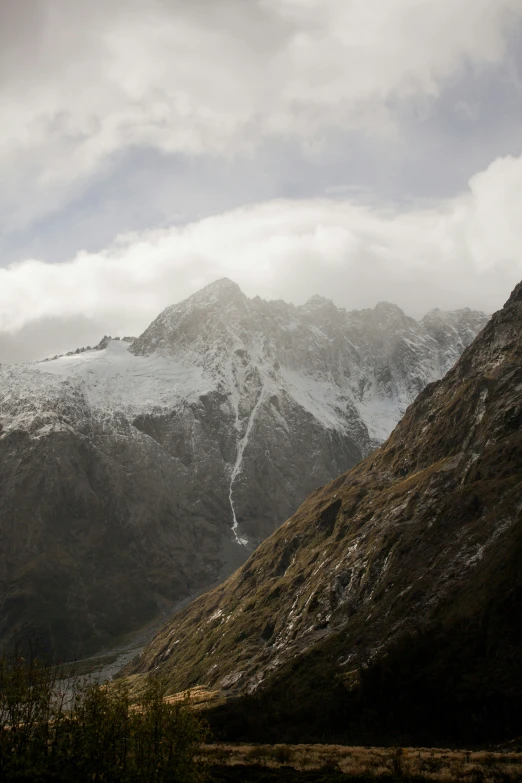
<point>134,475</point>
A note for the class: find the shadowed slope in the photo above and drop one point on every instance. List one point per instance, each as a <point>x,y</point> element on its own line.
<point>391,600</point>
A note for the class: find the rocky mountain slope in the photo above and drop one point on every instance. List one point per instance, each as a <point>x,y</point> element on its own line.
<point>388,606</point>
<point>138,472</point>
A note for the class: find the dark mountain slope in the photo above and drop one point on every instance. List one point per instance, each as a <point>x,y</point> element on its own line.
<point>388,607</point>
<point>135,475</point>
<point>90,531</point>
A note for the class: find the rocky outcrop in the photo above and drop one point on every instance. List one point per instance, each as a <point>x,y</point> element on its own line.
<point>136,473</point>
<point>387,607</point>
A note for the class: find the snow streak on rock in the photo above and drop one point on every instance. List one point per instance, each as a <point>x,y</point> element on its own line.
<point>242,443</point>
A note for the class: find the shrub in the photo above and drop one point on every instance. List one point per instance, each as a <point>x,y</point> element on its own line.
<point>59,730</point>
<point>397,759</point>
<point>282,754</point>
<point>257,753</point>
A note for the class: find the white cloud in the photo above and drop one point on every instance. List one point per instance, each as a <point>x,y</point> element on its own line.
<point>465,252</point>
<point>84,80</point>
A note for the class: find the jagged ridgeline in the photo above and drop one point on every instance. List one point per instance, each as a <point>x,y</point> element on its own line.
<point>137,472</point>
<point>387,609</point>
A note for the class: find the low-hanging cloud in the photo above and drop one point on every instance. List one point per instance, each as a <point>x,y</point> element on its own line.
<point>466,251</point>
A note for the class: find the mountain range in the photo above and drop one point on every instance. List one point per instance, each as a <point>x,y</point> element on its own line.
<point>139,472</point>
<point>387,608</point>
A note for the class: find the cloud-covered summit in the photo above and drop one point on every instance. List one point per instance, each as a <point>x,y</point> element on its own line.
<point>354,149</point>
<point>465,251</point>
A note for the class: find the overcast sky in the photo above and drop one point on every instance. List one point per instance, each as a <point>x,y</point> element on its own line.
<point>357,149</point>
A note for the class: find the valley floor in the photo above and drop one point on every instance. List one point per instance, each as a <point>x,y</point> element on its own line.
<point>332,763</point>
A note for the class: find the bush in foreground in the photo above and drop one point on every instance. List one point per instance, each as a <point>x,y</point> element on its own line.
<point>54,729</point>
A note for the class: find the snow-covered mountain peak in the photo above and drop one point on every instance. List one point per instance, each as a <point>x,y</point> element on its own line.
<point>220,287</point>
<point>379,358</point>
<point>351,371</point>
<point>222,293</point>
<point>212,426</point>
<point>200,321</point>
<point>352,374</point>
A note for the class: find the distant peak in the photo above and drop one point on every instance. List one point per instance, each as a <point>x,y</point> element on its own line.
<point>222,290</point>
<point>448,315</point>
<point>389,313</point>
<point>223,284</point>
<point>388,307</point>
<point>318,301</point>
<point>223,296</point>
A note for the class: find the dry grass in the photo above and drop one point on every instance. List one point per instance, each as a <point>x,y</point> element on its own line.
<point>199,697</point>
<point>429,764</point>
<point>195,696</point>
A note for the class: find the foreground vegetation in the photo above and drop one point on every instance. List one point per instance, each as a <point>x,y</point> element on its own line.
<point>64,730</point>
<point>60,728</point>
<point>336,763</point>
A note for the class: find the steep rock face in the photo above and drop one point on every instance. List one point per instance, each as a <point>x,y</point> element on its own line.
<point>311,381</point>
<point>388,605</point>
<point>136,473</point>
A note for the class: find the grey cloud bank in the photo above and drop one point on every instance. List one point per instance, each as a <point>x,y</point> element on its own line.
<point>467,251</point>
